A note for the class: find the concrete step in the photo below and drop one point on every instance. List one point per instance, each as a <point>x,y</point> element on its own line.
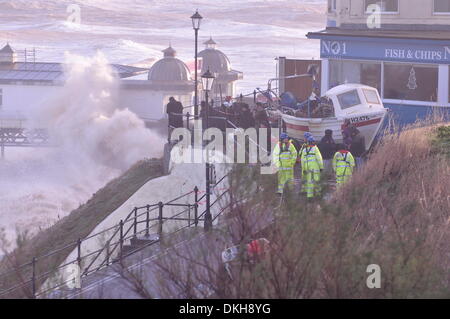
<point>144,240</point>
<point>138,242</point>
<point>127,249</point>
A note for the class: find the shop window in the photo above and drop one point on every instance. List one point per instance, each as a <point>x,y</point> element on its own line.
<point>331,6</point>
<point>386,6</point>
<point>441,6</point>
<point>366,73</point>
<point>410,82</point>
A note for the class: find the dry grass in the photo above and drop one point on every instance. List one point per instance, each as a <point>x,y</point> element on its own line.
<point>394,213</point>
<point>398,210</point>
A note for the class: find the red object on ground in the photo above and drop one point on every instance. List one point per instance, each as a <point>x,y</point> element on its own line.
<point>257,247</point>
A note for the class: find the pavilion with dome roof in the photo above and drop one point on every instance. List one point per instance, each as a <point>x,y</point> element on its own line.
<point>218,63</point>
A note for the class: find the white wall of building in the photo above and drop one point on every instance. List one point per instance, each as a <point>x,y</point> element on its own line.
<point>443,89</point>
<point>19,100</point>
<point>145,104</point>
<point>409,12</point>
<point>24,98</point>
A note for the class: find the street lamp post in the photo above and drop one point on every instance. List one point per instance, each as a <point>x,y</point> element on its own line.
<point>207,81</point>
<point>196,20</point>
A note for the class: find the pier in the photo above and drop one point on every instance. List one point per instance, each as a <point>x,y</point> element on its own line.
<point>21,137</point>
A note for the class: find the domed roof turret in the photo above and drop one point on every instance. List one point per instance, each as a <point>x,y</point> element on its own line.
<point>169,68</point>
<point>169,52</point>
<point>7,54</point>
<point>210,44</point>
<point>7,49</point>
<point>214,59</point>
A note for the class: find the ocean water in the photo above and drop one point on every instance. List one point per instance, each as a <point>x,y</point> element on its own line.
<point>40,186</point>
<point>251,32</point>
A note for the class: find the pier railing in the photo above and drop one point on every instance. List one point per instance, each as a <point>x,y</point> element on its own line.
<point>20,137</point>
<point>28,279</point>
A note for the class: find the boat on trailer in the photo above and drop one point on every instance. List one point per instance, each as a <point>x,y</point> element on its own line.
<point>358,104</point>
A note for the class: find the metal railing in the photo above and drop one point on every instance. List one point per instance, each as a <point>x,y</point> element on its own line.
<point>138,222</point>
<point>189,119</point>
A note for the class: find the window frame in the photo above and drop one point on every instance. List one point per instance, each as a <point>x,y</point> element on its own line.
<point>376,95</point>
<point>434,12</point>
<point>411,102</point>
<point>382,12</point>
<point>332,7</point>
<point>382,88</point>
<point>372,62</point>
<point>350,106</point>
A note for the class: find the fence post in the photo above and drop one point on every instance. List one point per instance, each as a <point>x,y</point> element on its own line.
<point>160,219</point>
<point>33,277</point>
<point>196,206</point>
<point>79,253</point>
<point>121,238</point>
<point>107,253</point>
<point>189,215</point>
<point>168,130</point>
<point>187,120</point>
<point>147,222</point>
<point>135,222</point>
<point>309,108</point>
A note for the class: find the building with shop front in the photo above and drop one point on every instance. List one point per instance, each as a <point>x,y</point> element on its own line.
<point>400,47</point>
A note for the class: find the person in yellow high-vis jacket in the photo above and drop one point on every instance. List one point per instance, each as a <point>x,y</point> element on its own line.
<point>312,166</point>
<point>343,165</point>
<point>306,136</point>
<point>284,158</point>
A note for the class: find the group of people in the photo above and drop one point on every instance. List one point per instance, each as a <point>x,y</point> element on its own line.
<point>243,116</point>
<point>228,115</point>
<point>317,158</point>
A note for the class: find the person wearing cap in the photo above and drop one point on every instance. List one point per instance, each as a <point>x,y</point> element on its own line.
<point>314,99</point>
<point>343,164</point>
<point>284,158</point>
<point>327,147</point>
<point>358,147</point>
<point>174,110</point>
<point>315,94</point>
<point>246,119</point>
<point>347,128</point>
<point>306,135</point>
<point>312,165</point>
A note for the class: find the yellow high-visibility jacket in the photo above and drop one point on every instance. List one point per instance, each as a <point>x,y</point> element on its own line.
<point>311,159</point>
<point>284,156</point>
<point>343,165</point>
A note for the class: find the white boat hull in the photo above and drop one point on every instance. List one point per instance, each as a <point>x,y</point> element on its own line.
<point>368,124</point>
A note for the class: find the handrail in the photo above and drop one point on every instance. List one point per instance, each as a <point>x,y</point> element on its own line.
<point>226,121</point>
<point>111,243</point>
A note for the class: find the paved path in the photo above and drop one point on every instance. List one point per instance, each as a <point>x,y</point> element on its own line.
<point>188,252</point>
